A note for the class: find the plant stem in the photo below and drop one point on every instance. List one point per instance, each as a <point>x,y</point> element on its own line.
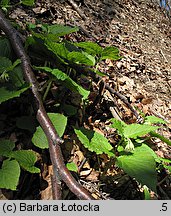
<point>47,90</point>
<point>162,138</point>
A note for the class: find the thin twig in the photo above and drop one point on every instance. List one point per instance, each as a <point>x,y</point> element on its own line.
<point>112,91</point>
<point>75,6</point>
<point>53,139</point>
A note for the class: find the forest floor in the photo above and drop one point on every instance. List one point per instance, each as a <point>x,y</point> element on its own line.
<point>142,32</point>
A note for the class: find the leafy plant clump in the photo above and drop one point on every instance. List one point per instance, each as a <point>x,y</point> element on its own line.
<point>13,160</point>
<point>135,157</point>
<point>51,41</point>
<point>6,4</point>
<point>63,64</point>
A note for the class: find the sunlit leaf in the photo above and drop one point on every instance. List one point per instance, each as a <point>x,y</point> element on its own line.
<point>135,130</point>
<point>140,165</point>
<point>72,166</point>
<point>61,30</point>
<point>94,141</point>
<point>59,121</point>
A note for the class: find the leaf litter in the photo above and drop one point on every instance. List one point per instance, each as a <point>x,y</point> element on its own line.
<point>141,32</point>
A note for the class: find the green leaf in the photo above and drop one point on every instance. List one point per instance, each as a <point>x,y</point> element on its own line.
<point>6,147</point>
<point>94,141</point>
<point>60,75</point>
<point>110,53</point>
<point>5,63</point>
<point>168,168</point>
<point>45,37</point>
<point>5,48</point>
<point>59,121</point>
<point>118,125</point>
<point>72,167</point>
<point>162,138</point>
<point>147,195</point>
<point>154,120</point>
<point>27,2</point>
<point>26,159</point>
<point>16,77</point>
<point>90,47</point>
<point>61,30</point>
<point>6,94</point>
<point>9,173</point>
<point>137,130</point>
<point>39,139</point>
<point>140,165</point>
<point>58,49</point>
<point>81,58</point>
<point>97,72</point>
<point>4,3</point>
<point>69,83</point>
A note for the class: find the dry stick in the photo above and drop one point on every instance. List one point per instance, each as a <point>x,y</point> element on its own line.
<point>75,6</point>
<point>112,91</point>
<point>41,115</point>
<point>98,78</point>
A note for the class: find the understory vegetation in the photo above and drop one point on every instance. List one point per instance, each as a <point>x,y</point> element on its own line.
<point>71,83</point>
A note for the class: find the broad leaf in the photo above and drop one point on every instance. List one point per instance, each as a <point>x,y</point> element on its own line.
<point>140,165</point>
<point>9,173</point>
<point>118,125</point>
<point>81,58</point>
<point>6,146</point>
<point>58,49</point>
<point>110,53</point>
<point>26,159</point>
<point>4,3</point>
<point>137,130</point>
<point>61,30</point>
<point>154,120</point>
<point>5,48</point>
<point>94,141</point>
<point>68,82</point>
<point>5,63</point>
<point>90,47</point>
<point>97,72</point>
<point>6,94</point>
<point>71,84</point>
<point>72,166</point>
<point>43,36</point>
<point>59,121</point>
<point>27,2</point>
<point>16,77</point>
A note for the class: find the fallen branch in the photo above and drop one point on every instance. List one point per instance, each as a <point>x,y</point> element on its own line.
<point>123,99</point>
<point>75,6</point>
<point>54,140</point>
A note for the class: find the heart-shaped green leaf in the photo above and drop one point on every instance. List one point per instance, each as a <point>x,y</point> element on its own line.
<point>26,159</point>
<point>6,146</point>
<point>9,173</point>
<point>140,165</point>
<point>94,141</point>
<point>137,130</point>
<point>59,121</point>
